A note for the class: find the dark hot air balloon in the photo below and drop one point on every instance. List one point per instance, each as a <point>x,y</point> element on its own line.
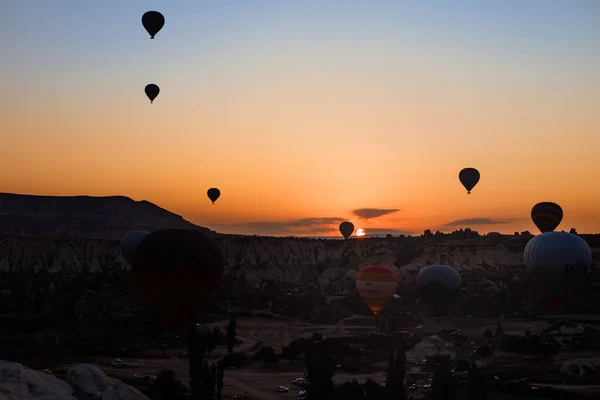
<point>346,229</point>
<point>152,91</point>
<point>438,286</point>
<point>130,242</point>
<point>213,194</point>
<point>546,216</point>
<point>469,178</point>
<point>177,271</point>
<point>153,22</point>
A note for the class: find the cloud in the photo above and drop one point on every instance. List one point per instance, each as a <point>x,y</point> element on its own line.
<point>302,226</point>
<point>478,221</point>
<point>368,213</point>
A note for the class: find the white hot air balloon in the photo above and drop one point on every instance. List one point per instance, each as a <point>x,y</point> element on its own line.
<point>557,263</point>
<point>130,242</point>
<point>557,256</point>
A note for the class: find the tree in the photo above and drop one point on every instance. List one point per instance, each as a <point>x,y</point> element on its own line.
<point>320,369</point>
<point>220,375</point>
<point>373,391</point>
<point>231,334</point>
<point>476,385</point>
<point>167,387</point>
<point>267,354</point>
<point>291,352</point>
<point>444,384</point>
<point>395,374</point>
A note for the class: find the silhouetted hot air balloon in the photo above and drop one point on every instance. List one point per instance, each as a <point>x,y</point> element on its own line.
<point>153,22</point>
<point>152,91</point>
<point>213,194</point>
<point>546,216</point>
<point>130,242</point>
<point>177,271</point>
<point>438,286</point>
<point>376,285</point>
<point>346,229</point>
<point>469,178</point>
<point>558,263</point>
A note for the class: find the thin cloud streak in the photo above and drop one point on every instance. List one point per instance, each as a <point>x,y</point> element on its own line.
<point>302,226</point>
<point>368,213</point>
<point>478,221</point>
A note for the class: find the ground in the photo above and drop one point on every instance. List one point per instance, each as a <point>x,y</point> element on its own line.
<point>256,383</point>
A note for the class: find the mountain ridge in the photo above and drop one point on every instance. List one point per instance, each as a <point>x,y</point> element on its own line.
<point>103,217</point>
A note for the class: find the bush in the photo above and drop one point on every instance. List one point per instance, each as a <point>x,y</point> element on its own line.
<point>167,387</point>
<point>235,359</point>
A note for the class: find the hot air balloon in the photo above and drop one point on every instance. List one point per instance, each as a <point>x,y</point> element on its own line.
<point>130,242</point>
<point>469,178</point>
<point>376,285</point>
<point>557,263</point>
<point>177,271</point>
<point>546,216</point>
<point>153,22</point>
<point>346,229</point>
<point>213,194</point>
<point>438,286</point>
<point>152,91</point>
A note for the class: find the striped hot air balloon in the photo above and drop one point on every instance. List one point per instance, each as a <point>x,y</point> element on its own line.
<point>546,216</point>
<point>376,285</point>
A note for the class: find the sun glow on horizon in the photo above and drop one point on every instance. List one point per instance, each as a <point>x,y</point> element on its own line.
<point>360,232</point>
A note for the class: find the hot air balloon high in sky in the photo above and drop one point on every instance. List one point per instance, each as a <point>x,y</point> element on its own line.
<point>558,264</point>
<point>469,178</point>
<point>376,285</point>
<point>177,271</point>
<point>346,229</point>
<point>213,194</point>
<point>546,216</point>
<point>152,91</point>
<point>153,22</point>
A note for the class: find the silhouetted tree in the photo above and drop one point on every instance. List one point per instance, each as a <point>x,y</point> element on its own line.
<point>167,387</point>
<point>476,385</point>
<point>320,369</point>
<point>220,375</point>
<point>444,384</point>
<point>231,334</point>
<point>291,351</point>
<point>395,374</point>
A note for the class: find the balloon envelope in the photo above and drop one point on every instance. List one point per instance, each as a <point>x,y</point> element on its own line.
<point>177,271</point>
<point>346,229</point>
<point>130,242</point>
<point>438,286</point>
<point>469,178</point>
<point>558,264</point>
<point>557,257</point>
<point>152,91</point>
<point>213,194</point>
<point>546,216</point>
<point>153,22</point>
<point>376,285</point>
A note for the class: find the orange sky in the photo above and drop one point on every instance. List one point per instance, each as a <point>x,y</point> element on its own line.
<point>292,127</point>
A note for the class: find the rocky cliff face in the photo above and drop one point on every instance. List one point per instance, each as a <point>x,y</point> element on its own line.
<point>82,382</point>
<point>82,216</point>
<point>291,261</point>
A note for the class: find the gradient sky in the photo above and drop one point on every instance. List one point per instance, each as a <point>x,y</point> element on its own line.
<point>302,112</point>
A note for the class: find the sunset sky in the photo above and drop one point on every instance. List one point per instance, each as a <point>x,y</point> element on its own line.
<point>303,113</point>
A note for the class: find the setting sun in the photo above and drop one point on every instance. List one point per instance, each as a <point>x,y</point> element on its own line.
<point>360,232</point>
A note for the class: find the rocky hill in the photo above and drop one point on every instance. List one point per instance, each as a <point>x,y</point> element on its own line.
<point>82,216</point>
